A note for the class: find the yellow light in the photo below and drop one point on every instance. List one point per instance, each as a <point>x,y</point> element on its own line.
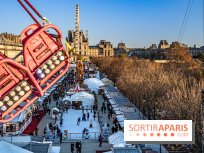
<point>54,57</point>
<point>52,66</point>
<point>44,66</point>
<point>47,71</point>
<point>21,93</point>
<point>6,98</point>
<point>10,103</point>
<point>49,62</point>
<point>18,88</point>
<point>59,53</point>
<point>57,62</point>
<point>1,103</point>
<point>23,84</point>
<point>27,88</point>
<point>15,98</point>
<point>12,93</point>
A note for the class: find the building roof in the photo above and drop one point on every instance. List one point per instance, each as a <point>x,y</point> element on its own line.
<point>125,149</point>
<point>38,147</point>
<point>93,46</point>
<point>6,147</point>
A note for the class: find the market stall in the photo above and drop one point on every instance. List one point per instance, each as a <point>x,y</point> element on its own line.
<point>86,99</point>
<point>55,111</point>
<point>94,84</point>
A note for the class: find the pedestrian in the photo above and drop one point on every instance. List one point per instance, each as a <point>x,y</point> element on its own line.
<point>101,140</point>
<point>45,129</point>
<point>56,118</point>
<point>104,107</point>
<point>82,109</point>
<point>72,147</point>
<point>103,104</point>
<point>66,109</point>
<point>111,112</point>
<point>94,116</point>
<point>36,117</point>
<point>60,137</point>
<point>109,116</point>
<point>79,148</point>
<point>61,120</point>
<point>87,116</point>
<point>36,131</point>
<point>78,121</point>
<point>39,117</point>
<point>86,108</point>
<point>91,122</point>
<point>113,129</point>
<point>91,109</point>
<point>77,145</point>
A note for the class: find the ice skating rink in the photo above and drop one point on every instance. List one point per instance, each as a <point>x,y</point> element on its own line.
<point>70,124</point>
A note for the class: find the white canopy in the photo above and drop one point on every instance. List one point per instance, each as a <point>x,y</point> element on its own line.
<point>116,138</point>
<point>106,81</point>
<point>86,98</point>
<point>93,84</point>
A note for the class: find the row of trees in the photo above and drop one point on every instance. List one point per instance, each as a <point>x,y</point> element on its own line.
<point>160,91</point>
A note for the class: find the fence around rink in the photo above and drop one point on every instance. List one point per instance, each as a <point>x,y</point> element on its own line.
<point>67,136</point>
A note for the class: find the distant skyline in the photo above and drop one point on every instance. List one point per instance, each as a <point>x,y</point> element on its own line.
<point>139,23</point>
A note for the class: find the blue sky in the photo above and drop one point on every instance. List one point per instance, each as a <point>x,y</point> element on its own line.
<point>138,23</point>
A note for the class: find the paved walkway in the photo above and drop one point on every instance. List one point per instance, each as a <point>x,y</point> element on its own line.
<point>87,147</point>
<point>104,116</point>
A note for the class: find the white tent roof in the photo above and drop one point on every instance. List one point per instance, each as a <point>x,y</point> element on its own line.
<point>81,96</point>
<point>93,84</point>
<point>10,148</point>
<point>116,138</point>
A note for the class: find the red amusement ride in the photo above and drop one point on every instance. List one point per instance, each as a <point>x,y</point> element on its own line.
<point>45,62</point>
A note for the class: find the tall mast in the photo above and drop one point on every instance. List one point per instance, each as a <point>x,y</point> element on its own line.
<point>77,30</point>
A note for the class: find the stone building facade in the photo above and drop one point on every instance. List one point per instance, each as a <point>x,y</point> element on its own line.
<point>10,45</point>
<point>102,49</point>
<point>121,49</point>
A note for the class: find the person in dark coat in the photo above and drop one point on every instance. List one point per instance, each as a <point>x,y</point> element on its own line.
<point>36,131</point>
<point>104,108</point>
<point>113,129</point>
<point>77,144</point>
<point>72,147</point>
<point>60,137</point>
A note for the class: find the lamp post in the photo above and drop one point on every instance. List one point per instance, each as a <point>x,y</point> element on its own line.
<point>202,116</point>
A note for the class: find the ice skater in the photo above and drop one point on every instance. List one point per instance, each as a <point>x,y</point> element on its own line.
<point>78,121</point>
<point>91,122</point>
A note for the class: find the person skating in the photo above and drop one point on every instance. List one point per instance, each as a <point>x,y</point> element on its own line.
<point>78,121</point>
<point>82,109</point>
<point>87,116</point>
<point>72,147</point>
<point>91,122</point>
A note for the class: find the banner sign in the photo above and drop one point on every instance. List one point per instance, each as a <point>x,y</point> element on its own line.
<point>157,131</point>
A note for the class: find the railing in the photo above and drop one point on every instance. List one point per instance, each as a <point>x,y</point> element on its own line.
<point>67,136</point>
